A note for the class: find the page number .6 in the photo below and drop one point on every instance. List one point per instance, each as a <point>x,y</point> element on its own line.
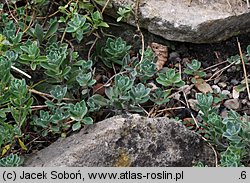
<point>243,175</point>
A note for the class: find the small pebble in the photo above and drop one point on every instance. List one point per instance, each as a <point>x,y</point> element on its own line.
<point>234,82</point>
<point>235,93</point>
<point>216,89</point>
<point>173,56</point>
<point>185,61</point>
<point>186,89</point>
<point>232,104</point>
<point>244,101</point>
<point>222,84</point>
<point>177,96</point>
<point>230,87</point>
<point>233,68</point>
<point>217,80</point>
<point>177,65</point>
<point>223,78</point>
<point>192,103</point>
<point>226,92</point>
<point>178,59</point>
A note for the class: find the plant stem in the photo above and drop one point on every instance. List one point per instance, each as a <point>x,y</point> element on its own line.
<point>139,30</point>
<point>244,69</point>
<point>21,72</point>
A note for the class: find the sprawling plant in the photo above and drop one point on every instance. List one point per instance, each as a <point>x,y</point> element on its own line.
<point>31,54</point>
<point>78,26</point>
<point>231,135</point>
<point>115,52</point>
<point>118,94</point>
<point>125,95</point>
<point>160,97</point>
<point>13,160</point>
<point>5,78</point>
<point>56,64</point>
<point>193,69</point>
<point>170,79</point>
<point>146,68</point>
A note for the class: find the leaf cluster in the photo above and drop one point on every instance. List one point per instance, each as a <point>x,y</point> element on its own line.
<point>114,52</point>
<point>231,135</point>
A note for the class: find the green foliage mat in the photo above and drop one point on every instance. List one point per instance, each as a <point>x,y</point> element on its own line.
<point>47,90</point>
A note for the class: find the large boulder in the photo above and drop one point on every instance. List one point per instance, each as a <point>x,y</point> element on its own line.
<point>127,141</point>
<point>201,21</point>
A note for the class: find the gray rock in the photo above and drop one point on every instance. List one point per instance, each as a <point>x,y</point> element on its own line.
<point>131,141</point>
<point>203,21</point>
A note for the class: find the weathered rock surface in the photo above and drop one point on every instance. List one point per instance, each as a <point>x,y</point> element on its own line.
<point>129,141</point>
<point>204,21</point>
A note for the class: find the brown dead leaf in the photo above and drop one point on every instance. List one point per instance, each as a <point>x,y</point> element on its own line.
<point>161,52</point>
<point>99,88</point>
<point>203,87</point>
